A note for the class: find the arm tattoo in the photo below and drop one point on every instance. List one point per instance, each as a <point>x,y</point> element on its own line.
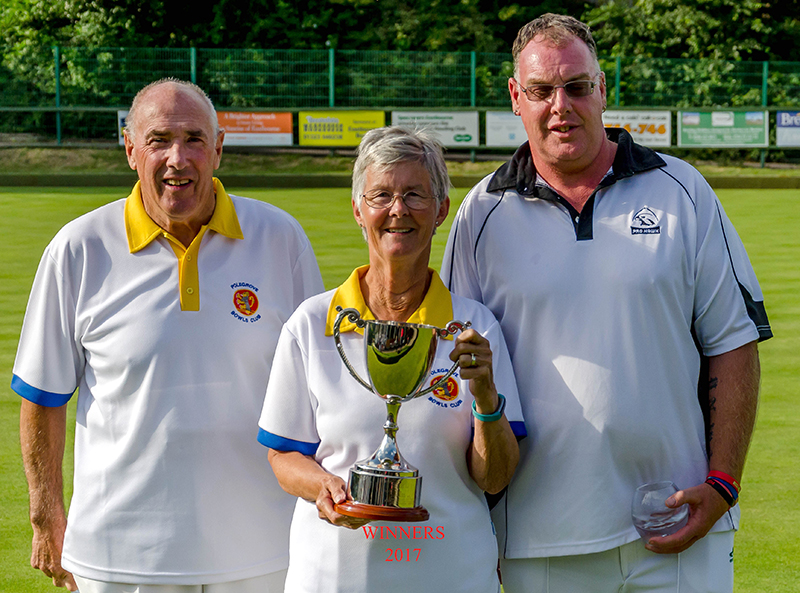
<point>712,407</point>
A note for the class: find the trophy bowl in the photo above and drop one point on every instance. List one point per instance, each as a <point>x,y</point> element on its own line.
<point>398,359</point>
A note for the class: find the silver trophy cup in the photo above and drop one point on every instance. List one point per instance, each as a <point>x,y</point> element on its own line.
<point>399,357</point>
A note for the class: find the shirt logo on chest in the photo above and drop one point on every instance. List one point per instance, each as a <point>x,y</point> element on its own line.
<point>645,222</point>
<point>446,395</point>
<point>245,302</point>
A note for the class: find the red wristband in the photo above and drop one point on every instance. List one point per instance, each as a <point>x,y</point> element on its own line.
<point>726,492</point>
<point>728,478</point>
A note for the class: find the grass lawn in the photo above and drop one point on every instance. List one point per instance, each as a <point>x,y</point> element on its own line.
<point>767,547</point>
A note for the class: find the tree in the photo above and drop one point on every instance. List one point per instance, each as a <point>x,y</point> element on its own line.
<point>30,28</point>
<point>783,18</point>
<point>430,25</point>
<point>697,29</point>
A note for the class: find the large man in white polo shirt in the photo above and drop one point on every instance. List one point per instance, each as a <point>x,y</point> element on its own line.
<point>164,310</point>
<point>615,275</point>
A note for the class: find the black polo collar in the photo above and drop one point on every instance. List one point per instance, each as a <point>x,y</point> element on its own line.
<point>631,158</point>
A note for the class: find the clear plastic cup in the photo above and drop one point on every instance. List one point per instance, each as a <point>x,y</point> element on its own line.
<point>651,516</point>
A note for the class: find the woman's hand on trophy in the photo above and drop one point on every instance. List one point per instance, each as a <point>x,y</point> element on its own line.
<point>334,491</point>
<point>474,355</point>
<point>301,475</point>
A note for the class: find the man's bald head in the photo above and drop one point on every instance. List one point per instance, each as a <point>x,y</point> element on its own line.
<point>131,122</point>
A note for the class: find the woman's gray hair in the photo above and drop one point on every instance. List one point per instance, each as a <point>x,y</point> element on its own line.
<point>131,119</point>
<point>383,148</point>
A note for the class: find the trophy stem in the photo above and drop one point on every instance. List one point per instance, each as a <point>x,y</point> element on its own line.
<point>392,410</point>
<point>385,487</point>
<point>388,454</point>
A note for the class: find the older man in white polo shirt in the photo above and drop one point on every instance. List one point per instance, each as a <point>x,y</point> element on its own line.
<point>163,309</point>
<point>615,275</point>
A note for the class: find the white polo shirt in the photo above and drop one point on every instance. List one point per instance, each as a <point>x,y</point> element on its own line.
<point>171,362</point>
<point>606,314</point>
<point>314,406</point>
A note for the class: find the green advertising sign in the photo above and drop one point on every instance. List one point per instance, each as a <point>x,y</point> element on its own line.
<point>742,129</point>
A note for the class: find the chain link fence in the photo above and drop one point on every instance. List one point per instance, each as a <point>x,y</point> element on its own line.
<point>71,94</point>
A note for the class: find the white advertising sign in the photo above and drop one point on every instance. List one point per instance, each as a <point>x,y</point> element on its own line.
<point>649,128</point>
<point>451,128</point>
<point>787,132</point>
<point>503,128</point>
<point>121,115</point>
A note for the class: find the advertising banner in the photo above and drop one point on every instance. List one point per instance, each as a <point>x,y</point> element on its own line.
<point>787,132</point>
<point>452,129</point>
<point>246,128</point>
<point>337,128</point>
<point>121,115</point>
<point>649,128</point>
<point>243,128</point>
<point>503,128</point>
<point>721,129</point>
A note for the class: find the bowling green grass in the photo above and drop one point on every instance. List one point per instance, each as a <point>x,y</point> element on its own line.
<point>767,546</point>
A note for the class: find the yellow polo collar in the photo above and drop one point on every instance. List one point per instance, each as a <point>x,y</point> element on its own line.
<point>436,308</point>
<point>141,230</point>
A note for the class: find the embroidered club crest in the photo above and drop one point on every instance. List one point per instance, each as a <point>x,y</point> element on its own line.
<point>645,222</point>
<point>245,302</point>
<point>448,391</point>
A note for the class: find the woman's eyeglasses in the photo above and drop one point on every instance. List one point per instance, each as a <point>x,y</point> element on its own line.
<point>380,199</point>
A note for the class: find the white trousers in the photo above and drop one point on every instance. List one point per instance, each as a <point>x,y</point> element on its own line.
<point>706,567</point>
<point>269,583</point>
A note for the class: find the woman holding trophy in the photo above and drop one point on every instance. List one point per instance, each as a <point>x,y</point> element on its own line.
<point>363,520</point>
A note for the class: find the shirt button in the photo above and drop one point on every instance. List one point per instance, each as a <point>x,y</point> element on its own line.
<point>188,258</point>
<point>577,219</point>
<point>190,290</point>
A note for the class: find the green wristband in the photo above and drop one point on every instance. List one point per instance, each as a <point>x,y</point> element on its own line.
<point>491,417</point>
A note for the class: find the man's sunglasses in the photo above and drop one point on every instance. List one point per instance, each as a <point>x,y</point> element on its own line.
<point>574,89</point>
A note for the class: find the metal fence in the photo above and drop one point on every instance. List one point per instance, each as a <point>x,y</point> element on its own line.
<point>72,93</point>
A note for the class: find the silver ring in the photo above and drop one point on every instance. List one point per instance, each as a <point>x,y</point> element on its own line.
<point>473,359</point>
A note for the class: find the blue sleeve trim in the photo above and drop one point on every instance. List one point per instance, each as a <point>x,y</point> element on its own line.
<point>273,441</point>
<point>39,396</point>
<point>518,428</point>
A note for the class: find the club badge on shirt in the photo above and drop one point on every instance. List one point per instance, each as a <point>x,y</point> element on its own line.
<point>645,222</point>
<point>245,302</point>
<point>447,395</point>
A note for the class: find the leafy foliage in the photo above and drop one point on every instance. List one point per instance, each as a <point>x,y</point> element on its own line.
<point>273,29</point>
<point>698,29</point>
<point>432,25</point>
<point>272,53</point>
<point>684,53</point>
<point>717,29</point>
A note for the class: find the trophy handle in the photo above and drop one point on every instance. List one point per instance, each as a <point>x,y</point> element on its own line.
<point>354,317</point>
<point>452,328</point>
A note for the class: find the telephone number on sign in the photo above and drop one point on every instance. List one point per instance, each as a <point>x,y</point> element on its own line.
<point>640,128</point>
<point>400,555</point>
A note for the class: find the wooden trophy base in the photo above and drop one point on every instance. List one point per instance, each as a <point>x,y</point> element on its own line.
<point>378,513</point>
